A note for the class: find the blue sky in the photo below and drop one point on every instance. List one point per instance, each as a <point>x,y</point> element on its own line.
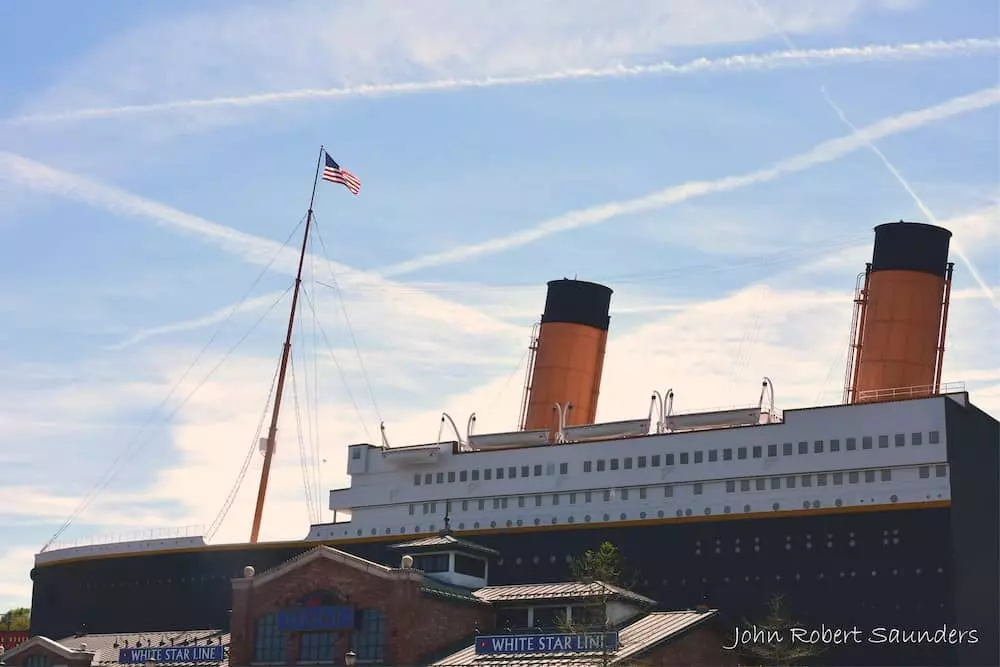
<point>156,156</point>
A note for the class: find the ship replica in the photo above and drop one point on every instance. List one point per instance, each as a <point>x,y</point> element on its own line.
<point>879,512</point>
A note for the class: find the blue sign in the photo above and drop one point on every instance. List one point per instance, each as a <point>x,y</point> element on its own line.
<point>304,619</point>
<point>555,643</point>
<point>170,654</point>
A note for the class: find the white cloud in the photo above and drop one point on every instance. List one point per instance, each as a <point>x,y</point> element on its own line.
<point>827,151</point>
<point>736,63</point>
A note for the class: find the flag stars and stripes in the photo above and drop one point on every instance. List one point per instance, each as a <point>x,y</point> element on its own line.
<point>332,172</point>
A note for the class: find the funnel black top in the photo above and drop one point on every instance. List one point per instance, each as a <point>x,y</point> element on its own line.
<point>911,246</point>
<point>578,302</point>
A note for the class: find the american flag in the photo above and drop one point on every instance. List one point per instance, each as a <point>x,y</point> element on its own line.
<point>333,173</point>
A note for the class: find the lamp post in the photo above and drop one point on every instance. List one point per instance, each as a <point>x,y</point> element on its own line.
<point>350,658</point>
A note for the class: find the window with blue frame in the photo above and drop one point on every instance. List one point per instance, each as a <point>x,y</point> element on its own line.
<point>317,646</point>
<point>268,641</point>
<point>369,639</point>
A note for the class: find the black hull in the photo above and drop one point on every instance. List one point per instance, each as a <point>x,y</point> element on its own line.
<point>908,569</point>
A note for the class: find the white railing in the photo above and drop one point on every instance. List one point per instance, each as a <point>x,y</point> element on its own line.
<point>134,536</point>
<point>911,392</point>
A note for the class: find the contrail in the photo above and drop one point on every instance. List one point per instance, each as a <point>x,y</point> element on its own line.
<point>827,151</point>
<point>737,63</point>
<point>869,142</point>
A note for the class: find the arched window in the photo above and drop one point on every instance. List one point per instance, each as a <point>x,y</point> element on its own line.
<point>37,660</point>
<point>369,640</point>
<point>317,646</point>
<point>268,641</point>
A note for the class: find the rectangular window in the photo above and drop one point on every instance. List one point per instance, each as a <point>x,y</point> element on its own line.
<point>852,444</point>
<point>741,453</point>
<point>641,462</point>
<point>624,494</point>
<point>496,503</point>
<point>572,499</point>
<point>727,454</point>
<point>555,498</point>
<point>925,472</point>
<point>428,478</point>
<point>439,478</point>
<point>883,441</point>
<point>818,447</point>
<point>587,466</point>
<point>917,439</point>
<point>869,476</point>
<point>614,464</point>
<point>512,472</point>
<point>821,479</point>
<point>866,442</point>
<point>416,479</point>
<point>713,455</point>
<point>499,473</point>
<point>463,476</point>
<point>835,445</point>
<point>933,437</point>
<point>525,471</point>
<point>482,504</point>
<point>642,493</point>
<point>538,501</point>
<point>886,475</point>
<point>807,480</point>
<point>412,509</point>
<point>503,503</point>
<point>601,465</point>
<point>550,468</point>
<point>669,459</point>
<point>838,478</point>
<point>775,483</point>
<point>730,486</point>
<point>451,476</point>
<point>356,454</point>
<point>852,477</point>
<point>697,488</point>
<point>684,458</point>
<point>790,482</point>
<point>563,468</point>
<point>758,451</point>
<point>628,463</point>
<point>786,449</point>
<point>520,501</point>
<point>487,473</point>
<point>900,439</point>
<point>586,497</point>
<point>668,492</point>
<point>803,448</point>
<point>699,457</point>
<point>537,471</point>
<point>760,484</point>
<point>772,451</point>
<point>465,505</point>
<point>607,495</point>
<point>655,461</point>
<point>744,485</point>
<point>940,471</point>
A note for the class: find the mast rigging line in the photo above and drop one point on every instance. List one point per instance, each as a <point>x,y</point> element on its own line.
<point>347,321</point>
<point>114,474</point>
<point>303,459</point>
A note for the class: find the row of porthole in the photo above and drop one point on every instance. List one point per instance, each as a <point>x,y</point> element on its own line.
<point>815,504</point>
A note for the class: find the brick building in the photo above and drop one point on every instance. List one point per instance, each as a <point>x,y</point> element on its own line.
<point>328,607</point>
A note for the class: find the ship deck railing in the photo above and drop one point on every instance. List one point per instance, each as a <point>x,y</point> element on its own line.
<point>165,533</point>
<point>911,392</point>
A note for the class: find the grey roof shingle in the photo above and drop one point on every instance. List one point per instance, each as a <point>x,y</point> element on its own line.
<point>444,541</point>
<point>567,590</point>
<point>106,654</point>
<point>634,640</point>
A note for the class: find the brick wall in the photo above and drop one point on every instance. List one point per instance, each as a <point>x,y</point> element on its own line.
<point>54,659</point>
<point>417,624</point>
<point>701,647</point>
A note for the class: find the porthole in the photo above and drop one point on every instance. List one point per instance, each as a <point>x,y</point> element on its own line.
<point>554,521</point>
<point>475,525</point>
<point>607,517</point>
<point>727,509</point>
<point>874,573</point>
<point>806,505</point>
<point>571,520</point>
<point>756,548</point>
<point>569,559</point>
<point>586,518</point>
<point>893,498</point>
<point>788,547</point>
<point>520,522</point>
<point>535,559</point>
<point>659,514</point>
<point>622,516</point>
<point>829,544</point>
<point>537,521</point>
<point>708,510</point>
<point>518,560</point>
<point>680,512</point>
<point>499,561</point>
<point>746,508</point>
<point>493,524</point>
<point>374,531</point>
<point>815,504</point>
<point>461,526</point>
<point>416,529</point>
<point>776,506</point>
<point>509,523</point>
<point>552,559</point>
<point>402,530</point>
<point>360,531</point>
<point>839,502</point>
<point>642,515</point>
<point>432,528</point>
<point>851,543</point>
<point>687,512</point>
<point>388,531</point>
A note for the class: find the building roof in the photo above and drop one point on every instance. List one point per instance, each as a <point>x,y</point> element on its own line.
<point>634,640</point>
<point>442,589</point>
<point>567,590</point>
<point>444,542</point>
<point>104,648</point>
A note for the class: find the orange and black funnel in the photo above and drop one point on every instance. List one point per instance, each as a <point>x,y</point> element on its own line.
<point>569,354</point>
<point>904,311</point>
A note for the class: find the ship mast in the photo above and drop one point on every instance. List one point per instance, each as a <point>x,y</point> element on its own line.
<point>285,353</point>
